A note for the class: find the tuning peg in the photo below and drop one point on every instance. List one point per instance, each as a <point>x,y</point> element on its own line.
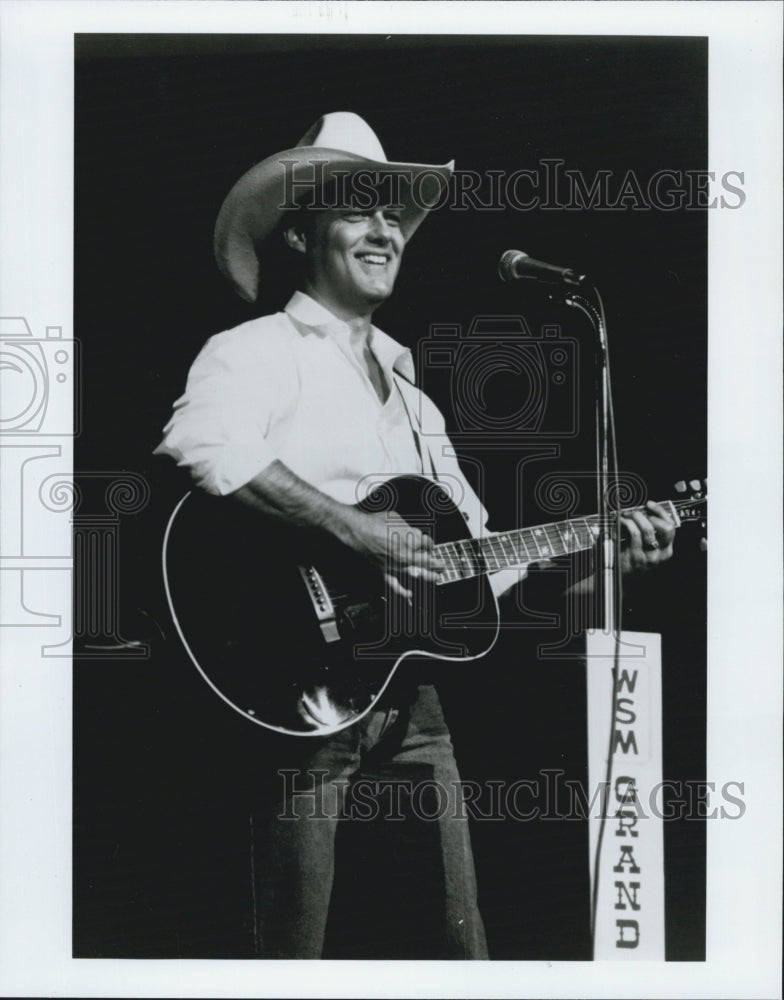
<point>695,484</point>
<point>680,486</point>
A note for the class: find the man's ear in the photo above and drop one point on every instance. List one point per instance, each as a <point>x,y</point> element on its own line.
<point>295,238</point>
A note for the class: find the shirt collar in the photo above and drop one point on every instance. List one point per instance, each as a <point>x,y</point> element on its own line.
<point>307,312</point>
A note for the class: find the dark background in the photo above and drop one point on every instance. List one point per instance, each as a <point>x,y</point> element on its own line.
<point>164,126</point>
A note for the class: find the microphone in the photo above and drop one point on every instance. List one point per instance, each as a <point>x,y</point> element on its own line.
<point>516,265</point>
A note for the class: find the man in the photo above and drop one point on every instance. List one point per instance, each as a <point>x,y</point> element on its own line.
<point>298,415</point>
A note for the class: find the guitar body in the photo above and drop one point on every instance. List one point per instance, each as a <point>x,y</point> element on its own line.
<point>299,635</point>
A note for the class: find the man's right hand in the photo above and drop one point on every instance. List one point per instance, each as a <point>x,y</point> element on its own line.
<point>400,551</point>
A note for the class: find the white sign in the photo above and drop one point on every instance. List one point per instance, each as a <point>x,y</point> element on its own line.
<point>624,715</point>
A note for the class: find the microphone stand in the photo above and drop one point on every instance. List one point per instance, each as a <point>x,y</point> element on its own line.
<point>604,575</point>
<point>603,650</point>
<point>605,571</point>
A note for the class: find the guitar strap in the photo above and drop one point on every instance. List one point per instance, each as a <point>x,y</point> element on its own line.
<point>423,447</point>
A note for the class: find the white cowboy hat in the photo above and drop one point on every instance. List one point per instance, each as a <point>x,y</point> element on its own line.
<point>340,143</point>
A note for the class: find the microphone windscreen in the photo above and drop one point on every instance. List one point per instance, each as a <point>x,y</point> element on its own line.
<point>508,263</point>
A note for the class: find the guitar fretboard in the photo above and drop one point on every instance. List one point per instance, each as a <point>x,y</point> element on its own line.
<point>517,549</point>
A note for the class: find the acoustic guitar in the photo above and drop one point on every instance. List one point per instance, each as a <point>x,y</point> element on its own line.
<point>301,636</point>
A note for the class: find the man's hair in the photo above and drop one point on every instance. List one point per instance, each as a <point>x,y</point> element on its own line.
<point>309,205</point>
<point>302,218</point>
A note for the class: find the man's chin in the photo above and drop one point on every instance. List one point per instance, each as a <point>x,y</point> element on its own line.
<point>377,294</point>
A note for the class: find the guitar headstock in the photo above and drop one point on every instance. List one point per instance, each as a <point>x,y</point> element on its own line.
<point>692,504</point>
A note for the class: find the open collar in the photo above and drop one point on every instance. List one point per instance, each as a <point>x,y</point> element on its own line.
<point>392,356</point>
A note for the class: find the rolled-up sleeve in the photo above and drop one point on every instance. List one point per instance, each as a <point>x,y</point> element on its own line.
<point>238,386</point>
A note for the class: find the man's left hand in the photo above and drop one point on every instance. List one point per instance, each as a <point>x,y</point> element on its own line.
<point>647,538</point>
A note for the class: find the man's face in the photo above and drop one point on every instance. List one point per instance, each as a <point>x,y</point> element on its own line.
<point>352,258</point>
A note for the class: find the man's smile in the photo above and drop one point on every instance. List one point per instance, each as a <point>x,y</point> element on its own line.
<point>373,258</point>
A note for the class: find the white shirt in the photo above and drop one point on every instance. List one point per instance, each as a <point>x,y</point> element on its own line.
<point>288,386</point>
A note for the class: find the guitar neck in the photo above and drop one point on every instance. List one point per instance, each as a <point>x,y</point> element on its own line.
<point>470,557</point>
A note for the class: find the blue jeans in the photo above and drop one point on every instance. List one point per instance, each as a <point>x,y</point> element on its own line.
<point>293,844</point>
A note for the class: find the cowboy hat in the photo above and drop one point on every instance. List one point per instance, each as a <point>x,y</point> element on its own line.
<point>339,144</point>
